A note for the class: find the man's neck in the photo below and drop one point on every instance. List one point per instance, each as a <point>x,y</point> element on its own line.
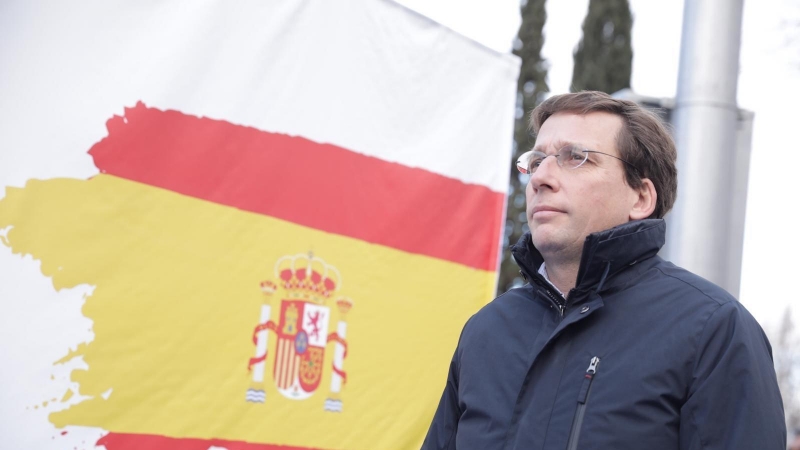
<point>563,276</point>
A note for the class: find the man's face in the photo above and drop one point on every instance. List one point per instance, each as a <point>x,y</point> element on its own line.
<point>566,205</point>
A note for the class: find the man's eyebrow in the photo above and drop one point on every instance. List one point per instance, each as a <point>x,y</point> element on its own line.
<point>558,144</point>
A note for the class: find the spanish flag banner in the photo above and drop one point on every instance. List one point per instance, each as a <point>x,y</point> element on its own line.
<point>250,225</point>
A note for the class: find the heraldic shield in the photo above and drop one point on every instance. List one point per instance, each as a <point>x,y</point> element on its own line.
<point>302,335</point>
<point>305,285</point>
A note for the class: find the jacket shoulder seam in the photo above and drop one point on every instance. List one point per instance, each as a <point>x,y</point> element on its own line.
<point>719,302</point>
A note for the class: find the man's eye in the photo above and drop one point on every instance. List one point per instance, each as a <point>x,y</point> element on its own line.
<point>576,155</point>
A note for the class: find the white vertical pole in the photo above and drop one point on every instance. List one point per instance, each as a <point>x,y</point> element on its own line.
<point>261,346</point>
<point>705,129</point>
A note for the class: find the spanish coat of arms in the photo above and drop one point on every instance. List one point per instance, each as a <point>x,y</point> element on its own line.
<point>306,286</point>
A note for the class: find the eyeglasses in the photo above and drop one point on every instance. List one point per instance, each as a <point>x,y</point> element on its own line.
<point>570,157</point>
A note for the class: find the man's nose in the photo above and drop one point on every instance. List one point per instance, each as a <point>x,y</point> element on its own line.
<point>546,175</point>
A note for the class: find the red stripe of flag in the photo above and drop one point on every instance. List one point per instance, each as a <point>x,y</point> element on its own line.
<point>321,186</point>
<point>123,441</point>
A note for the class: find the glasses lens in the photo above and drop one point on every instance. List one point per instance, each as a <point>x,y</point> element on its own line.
<point>528,162</point>
<point>572,157</point>
<point>524,163</point>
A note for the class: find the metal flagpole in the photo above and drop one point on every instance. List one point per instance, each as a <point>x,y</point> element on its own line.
<point>704,235</point>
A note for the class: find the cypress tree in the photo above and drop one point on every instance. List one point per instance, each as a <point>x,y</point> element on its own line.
<point>604,55</point>
<point>531,87</point>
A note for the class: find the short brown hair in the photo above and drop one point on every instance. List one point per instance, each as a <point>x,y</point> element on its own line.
<point>643,141</point>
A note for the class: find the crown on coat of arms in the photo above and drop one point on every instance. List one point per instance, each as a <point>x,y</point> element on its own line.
<point>305,277</point>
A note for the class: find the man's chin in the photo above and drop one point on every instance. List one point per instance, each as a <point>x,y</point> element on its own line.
<point>546,241</point>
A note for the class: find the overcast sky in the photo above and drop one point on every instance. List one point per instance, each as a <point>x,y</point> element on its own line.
<point>768,85</point>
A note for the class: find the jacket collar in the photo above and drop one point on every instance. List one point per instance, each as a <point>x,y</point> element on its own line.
<point>605,253</point>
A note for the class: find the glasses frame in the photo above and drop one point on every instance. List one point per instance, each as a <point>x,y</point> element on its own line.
<point>524,169</point>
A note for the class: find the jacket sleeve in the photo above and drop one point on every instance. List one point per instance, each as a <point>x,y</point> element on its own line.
<point>733,402</point>
<point>442,432</point>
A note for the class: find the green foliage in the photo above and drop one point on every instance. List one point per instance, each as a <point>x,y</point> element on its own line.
<point>604,55</point>
<point>531,87</point>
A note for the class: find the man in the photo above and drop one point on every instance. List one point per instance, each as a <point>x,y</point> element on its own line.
<point>608,346</point>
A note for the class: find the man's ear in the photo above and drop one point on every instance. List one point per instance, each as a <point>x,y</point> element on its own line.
<point>645,204</point>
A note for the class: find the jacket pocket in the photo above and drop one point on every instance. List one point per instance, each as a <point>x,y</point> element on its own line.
<point>583,399</point>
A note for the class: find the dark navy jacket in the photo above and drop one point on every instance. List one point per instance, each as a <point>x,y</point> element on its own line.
<point>644,355</point>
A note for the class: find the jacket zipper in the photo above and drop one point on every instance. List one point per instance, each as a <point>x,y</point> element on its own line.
<point>583,398</point>
<point>561,305</point>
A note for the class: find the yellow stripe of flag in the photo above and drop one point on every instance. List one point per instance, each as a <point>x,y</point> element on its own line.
<point>177,299</point>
